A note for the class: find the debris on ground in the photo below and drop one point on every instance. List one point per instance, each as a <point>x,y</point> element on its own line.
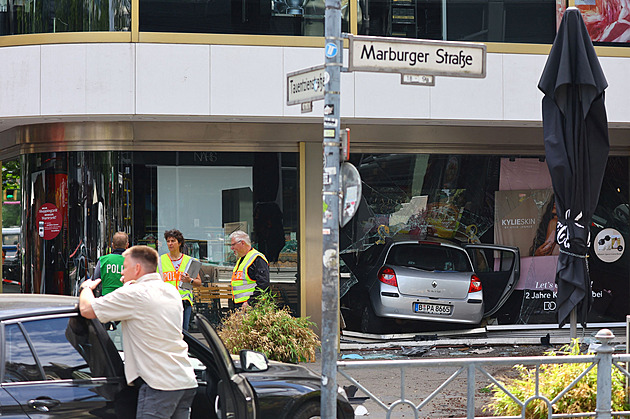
<point>416,350</point>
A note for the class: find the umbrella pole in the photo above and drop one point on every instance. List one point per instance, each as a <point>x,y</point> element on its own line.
<point>573,322</point>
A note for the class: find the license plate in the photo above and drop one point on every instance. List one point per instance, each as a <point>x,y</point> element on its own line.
<point>432,308</point>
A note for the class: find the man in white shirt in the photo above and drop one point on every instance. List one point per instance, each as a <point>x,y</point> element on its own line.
<point>150,312</point>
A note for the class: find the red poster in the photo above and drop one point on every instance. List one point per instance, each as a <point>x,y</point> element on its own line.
<point>61,194</point>
<point>606,20</point>
<point>48,221</point>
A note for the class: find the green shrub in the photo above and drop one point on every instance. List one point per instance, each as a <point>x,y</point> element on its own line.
<point>271,330</point>
<point>553,378</point>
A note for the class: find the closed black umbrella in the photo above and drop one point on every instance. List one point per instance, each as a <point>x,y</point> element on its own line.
<point>576,145</point>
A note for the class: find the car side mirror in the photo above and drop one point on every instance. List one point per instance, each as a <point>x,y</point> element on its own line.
<point>252,361</point>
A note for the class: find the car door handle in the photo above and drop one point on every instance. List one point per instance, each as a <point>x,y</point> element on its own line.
<point>43,405</point>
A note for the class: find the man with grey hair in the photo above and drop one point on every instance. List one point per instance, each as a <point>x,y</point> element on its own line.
<point>250,275</point>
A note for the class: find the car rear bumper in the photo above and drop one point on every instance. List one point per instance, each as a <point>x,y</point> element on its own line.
<point>10,270</point>
<point>469,311</point>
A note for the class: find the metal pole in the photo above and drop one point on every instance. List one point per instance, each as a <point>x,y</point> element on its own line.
<point>470,393</point>
<point>573,323</point>
<point>330,194</point>
<point>604,374</point>
<point>444,22</point>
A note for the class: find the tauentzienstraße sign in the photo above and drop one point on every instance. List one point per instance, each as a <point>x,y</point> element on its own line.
<point>306,85</point>
<point>413,56</point>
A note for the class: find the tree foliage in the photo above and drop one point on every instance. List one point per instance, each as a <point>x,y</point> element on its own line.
<point>553,378</point>
<point>271,330</point>
<point>11,174</point>
<point>11,214</point>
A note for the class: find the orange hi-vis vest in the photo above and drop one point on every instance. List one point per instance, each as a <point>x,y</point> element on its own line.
<point>242,285</point>
<point>170,275</point>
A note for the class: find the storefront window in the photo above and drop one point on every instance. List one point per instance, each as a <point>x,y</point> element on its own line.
<point>480,20</point>
<point>208,195</point>
<point>78,200</point>
<point>31,16</point>
<point>492,200</point>
<point>255,17</point>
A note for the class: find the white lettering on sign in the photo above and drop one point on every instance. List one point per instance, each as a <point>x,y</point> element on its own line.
<point>411,58</point>
<point>510,222</point>
<point>306,85</point>
<point>437,58</point>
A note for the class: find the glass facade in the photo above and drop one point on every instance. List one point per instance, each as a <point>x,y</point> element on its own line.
<point>511,21</point>
<point>454,20</point>
<point>47,16</point>
<point>490,21</point>
<point>258,17</point>
<point>482,20</point>
<point>493,199</point>
<point>77,200</point>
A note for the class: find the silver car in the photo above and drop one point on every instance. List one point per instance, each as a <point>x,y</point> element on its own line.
<point>431,280</point>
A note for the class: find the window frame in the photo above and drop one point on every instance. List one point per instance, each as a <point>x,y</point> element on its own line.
<point>111,371</point>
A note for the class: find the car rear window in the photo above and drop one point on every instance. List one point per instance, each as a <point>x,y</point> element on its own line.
<point>429,257</point>
<point>9,239</point>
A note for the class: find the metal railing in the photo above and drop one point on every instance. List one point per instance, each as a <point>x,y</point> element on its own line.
<point>604,359</point>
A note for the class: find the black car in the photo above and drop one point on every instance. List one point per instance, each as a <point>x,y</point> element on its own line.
<point>55,363</point>
<point>10,269</point>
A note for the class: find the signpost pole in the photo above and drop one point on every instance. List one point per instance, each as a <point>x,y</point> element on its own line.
<point>330,195</point>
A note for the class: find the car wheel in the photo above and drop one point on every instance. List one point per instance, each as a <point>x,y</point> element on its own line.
<point>370,322</point>
<point>309,410</point>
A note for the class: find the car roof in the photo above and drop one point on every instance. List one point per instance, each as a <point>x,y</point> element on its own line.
<point>11,230</point>
<point>20,305</point>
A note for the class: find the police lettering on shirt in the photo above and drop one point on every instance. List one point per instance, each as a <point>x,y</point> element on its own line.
<point>113,268</point>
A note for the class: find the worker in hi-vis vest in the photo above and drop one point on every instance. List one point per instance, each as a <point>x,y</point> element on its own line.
<point>172,266</point>
<point>250,275</point>
<point>109,267</point>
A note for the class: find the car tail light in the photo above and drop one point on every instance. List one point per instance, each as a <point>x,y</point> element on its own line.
<point>475,284</point>
<point>387,276</point>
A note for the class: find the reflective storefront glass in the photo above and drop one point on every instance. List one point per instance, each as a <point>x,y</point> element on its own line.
<point>74,202</point>
<point>46,16</point>
<point>494,200</point>
<point>257,17</point>
<point>481,20</point>
<point>510,21</point>
<point>77,200</point>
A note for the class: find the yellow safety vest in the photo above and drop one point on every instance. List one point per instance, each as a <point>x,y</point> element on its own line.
<point>167,270</point>
<point>242,285</point>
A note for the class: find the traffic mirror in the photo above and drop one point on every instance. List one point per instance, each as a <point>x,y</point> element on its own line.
<point>351,190</point>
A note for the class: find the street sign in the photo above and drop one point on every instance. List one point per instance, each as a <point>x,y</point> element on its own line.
<point>306,85</point>
<point>417,79</point>
<point>414,56</point>
<point>306,107</point>
<point>331,50</point>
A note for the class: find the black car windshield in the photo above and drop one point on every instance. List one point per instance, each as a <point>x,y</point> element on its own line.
<point>429,257</point>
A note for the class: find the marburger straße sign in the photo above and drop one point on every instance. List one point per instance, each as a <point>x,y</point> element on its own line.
<point>306,85</point>
<point>415,56</point>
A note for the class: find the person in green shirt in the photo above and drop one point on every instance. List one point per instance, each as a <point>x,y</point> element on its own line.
<point>109,267</point>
